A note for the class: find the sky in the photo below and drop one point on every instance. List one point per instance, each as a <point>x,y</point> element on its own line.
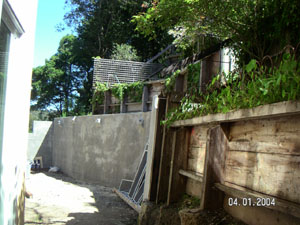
<point>50,14</point>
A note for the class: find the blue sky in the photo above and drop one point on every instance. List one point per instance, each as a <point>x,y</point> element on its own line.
<point>50,14</point>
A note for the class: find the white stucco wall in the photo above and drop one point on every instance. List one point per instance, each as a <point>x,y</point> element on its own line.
<point>16,115</point>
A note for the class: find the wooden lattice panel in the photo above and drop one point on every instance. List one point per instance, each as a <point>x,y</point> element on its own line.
<point>118,71</point>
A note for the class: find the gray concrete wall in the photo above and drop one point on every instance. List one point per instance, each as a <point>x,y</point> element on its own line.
<point>104,152</point>
<point>40,142</point>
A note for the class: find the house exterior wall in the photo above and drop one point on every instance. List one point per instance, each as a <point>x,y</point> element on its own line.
<point>16,114</point>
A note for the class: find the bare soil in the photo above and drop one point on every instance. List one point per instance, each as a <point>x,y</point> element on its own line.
<point>58,199</point>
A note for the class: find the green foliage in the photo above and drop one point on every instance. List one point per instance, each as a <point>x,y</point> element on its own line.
<point>189,202</point>
<point>124,52</point>
<point>170,81</point>
<point>98,97</point>
<point>260,85</point>
<point>133,91</point>
<point>102,23</point>
<point>57,84</point>
<point>257,28</point>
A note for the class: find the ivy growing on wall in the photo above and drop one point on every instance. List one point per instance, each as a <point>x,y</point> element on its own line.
<point>98,96</point>
<point>256,85</point>
<point>133,91</point>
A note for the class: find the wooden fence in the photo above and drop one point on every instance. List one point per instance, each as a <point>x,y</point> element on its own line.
<point>246,161</point>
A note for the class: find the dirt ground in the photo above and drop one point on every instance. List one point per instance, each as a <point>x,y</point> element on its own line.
<point>58,199</point>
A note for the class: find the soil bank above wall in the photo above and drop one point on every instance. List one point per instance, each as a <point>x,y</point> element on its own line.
<point>103,148</point>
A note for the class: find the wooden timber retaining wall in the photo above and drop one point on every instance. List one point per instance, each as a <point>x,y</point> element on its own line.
<point>251,155</point>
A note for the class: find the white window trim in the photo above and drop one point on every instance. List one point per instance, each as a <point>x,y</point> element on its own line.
<point>10,19</point>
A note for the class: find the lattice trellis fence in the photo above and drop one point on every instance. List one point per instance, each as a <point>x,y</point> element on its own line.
<point>119,71</point>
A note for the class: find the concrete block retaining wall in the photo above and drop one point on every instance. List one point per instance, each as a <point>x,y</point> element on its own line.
<point>40,142</point>
<point>103,148</point>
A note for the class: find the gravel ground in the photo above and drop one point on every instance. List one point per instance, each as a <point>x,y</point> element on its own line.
<point>58,199</point>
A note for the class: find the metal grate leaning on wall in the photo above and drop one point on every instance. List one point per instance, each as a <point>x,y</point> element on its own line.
<point>119,71</point>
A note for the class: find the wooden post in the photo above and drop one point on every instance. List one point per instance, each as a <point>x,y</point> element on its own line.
<point>107,101</point>
<point>203,74</point>
<point>123,107</point>
<point>155,143</point>
<point>179,85</point>
<point>158,147</point>
<point>165,165</point>
<point>214,168</point>
<point>151,149</point>
<point>179,160</point>
<point>145,98</point>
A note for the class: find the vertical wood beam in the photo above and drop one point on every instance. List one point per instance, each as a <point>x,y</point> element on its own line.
<point>107,101</point>
<point>145,98</point>
<point>123,107</point>
<point>165,160</point>
<point>179,84</point>
<point>203,74</point>
<point>157,149</point>
<point>214,170</point>
<point>151,149</point>
<point>180,146</point>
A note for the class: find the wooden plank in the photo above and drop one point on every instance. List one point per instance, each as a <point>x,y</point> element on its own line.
<point>196,159</point>
<point>107,101</point>
<point>284,131</point>
<point>194,188</point>
<point>196,153</point>
<point>179,161</point>
<point>199,135</point>
<point>285,148</point>
<point>214,170</point>
<point>125,199</point>
<point>191,174</point>
<point>280,204</point>
<point>145,98</point>
<point>160,53</point>
<point>123,106</point>
<point>266,111</point>
<point>165,166</point>
<point>179,84</point>
<point>173,147</point>
<point>151,154</point>
<point>272,174</point>
<point>157,149</point>
<point>165,162</point>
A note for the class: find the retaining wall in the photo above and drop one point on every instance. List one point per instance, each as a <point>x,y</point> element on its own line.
<point>103,148</point>
<point>246,161</point>
<point>40,142</point>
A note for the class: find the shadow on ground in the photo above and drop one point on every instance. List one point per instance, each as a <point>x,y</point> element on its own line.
<point>99,205</point>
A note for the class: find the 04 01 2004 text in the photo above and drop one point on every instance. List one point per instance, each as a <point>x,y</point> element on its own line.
<point>251,202</point>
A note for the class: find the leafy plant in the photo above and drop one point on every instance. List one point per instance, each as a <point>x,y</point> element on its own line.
<point>259,85</point>
<point>125,52</point>
<point>133,91</point>
<point>170,81</point>
<point>98,97</point>
<point>256,28</point>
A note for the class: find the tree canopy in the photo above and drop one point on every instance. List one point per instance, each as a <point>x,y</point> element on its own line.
<point>56,85</point>
<point>256,28</point>
<point>102,28</point>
